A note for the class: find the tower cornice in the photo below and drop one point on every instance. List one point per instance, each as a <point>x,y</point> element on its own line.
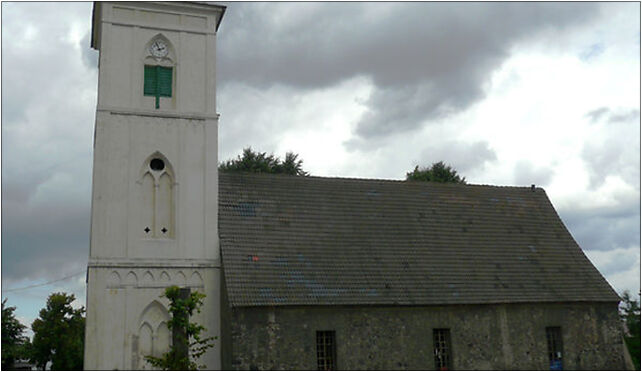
<point>170,6</point>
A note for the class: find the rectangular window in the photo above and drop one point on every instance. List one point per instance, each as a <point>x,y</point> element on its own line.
<point>326,351</point>
<point>158,82</point>
<point>442,350</point>
<point>554,341</point>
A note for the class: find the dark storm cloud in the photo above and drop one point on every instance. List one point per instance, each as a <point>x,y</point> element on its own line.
<point>605,228</point>
<point>45,241</point>
<point>49,102</point>
<point>401,109</point>
<point>45,215</point>
<point>622,262</point>
<point>426,60</point>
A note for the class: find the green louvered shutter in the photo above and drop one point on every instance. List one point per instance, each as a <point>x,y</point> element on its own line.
<point>150,81</point>
<point>158,82</point>
<point>164,81</point>
<point>157,76</point>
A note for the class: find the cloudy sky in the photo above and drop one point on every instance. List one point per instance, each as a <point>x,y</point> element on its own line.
<point>507,93</point>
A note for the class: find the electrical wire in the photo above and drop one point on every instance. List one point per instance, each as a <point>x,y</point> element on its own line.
<point>42,284</point>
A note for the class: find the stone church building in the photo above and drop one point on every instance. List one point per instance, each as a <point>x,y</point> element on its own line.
<point>308,272</point>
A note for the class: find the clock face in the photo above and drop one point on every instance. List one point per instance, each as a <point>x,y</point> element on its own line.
<point>158,48</point>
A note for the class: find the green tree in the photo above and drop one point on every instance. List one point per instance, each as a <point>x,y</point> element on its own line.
<point>260,162</point>
<point>188,344</point>
<point>14,344</point>
<point>59,334</point>
<point>438,172</point>
<point>630,315</point>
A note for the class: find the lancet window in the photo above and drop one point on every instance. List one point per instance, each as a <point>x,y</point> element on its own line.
<point>153,337</point>
<point>157,189</point>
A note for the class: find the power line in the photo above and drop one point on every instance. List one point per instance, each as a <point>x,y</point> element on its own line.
<point>42,284</point>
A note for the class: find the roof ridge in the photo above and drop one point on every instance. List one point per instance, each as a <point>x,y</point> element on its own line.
<point>384,180</point>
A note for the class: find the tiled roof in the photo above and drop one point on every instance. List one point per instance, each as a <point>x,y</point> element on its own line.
<point>289,240</point>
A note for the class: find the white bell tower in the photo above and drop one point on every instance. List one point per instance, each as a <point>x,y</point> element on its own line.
<point>154,211</point>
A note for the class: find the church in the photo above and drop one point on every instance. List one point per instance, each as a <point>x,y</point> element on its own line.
<point>309,273</point>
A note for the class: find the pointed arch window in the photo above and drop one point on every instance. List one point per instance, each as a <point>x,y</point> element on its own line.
<point>156,195</point>
<point>153,336</point>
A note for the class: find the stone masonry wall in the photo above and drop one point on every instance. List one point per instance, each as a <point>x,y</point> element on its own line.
<point>506,337</point>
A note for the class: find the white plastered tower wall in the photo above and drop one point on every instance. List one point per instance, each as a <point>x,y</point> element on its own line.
<point>152,225</point>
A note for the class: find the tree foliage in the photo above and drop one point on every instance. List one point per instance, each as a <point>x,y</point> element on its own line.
<point>260,162</point>
<point>59,334</point>
<point>630,315</point>
<point>438,172</point>
<point>14,344</point>
<point>181,309</point>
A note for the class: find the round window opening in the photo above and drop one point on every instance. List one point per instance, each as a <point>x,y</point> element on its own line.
<point>157,164</point>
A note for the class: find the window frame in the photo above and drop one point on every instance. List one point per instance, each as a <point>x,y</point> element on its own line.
<point>442,346</point>
<point>326,350</point>
<point>555,348</point>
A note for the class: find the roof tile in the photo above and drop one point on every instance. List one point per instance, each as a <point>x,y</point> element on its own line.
<point>289,240</point>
